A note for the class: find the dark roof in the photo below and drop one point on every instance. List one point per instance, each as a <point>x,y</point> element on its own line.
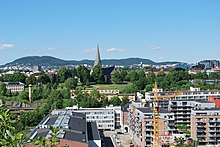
<point>92,129</point>
<point>150,110</point>
<point>14,83</point>
<point>41,132</point>
<point>77,124</point>
<point>72,124</point>
<point>108,70</point>
<point>70,135</point>
<point>51,120</point>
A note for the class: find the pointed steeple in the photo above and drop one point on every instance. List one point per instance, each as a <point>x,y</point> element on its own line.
<point>98,58</point>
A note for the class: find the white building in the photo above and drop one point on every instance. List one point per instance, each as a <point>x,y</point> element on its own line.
<point>182,109</point>
<point>192,94</point>
<point>15,86</point>
<point>108,118</point>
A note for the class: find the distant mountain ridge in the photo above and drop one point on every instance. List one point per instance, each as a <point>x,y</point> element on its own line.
<point>52,61</point>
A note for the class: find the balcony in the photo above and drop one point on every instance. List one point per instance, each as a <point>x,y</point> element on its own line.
<point>148,139</point>
<point>148,124</point>
<point>212,135</point>
<point>200,130</point>
<point>171,124</point>
<point>213,130</point>
<point>148,135</point>
<point>211,126</point>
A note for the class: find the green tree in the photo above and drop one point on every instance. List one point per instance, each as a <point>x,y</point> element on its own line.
<point>53,79</point>
<point>43,78</point>
<point>104,101</point>
<point>83,74</point>
<point>41,141</point>
<point>150,78</point>
<point>131,88</point>
<point>54,141</point>
<point>63,74</point>
<point>124,101</point>
<point>97,74</point>
<point>140,83</point>
<point>3,89</point>
<point>117,78</point>
<point>71,83</point>
<point>38,92</point>
<point>115,101</point>
<point>199,75</point>
<point>31,80</point>
<point>132,76</point>
<point>8,137</point>
<point>214,76</point>
<point>24,95</point>
<point>86,100</point>
<point>16,77</point>
<point>55,100</point>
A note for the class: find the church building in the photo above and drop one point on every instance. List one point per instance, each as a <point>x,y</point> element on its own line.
<point>107,71</point>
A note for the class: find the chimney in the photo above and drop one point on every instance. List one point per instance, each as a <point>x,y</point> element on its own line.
<point>30,97</point>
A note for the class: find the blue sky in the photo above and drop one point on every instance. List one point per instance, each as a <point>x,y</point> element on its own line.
<point>160,30</point>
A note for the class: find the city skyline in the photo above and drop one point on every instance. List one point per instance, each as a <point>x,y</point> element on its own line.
<point>186,31</point>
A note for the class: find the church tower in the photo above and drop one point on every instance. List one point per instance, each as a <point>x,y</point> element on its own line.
<point>97,59</point>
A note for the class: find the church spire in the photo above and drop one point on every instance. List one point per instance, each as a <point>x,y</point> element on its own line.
<point>97,59</point>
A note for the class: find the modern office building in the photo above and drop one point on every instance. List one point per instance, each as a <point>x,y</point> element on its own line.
<point>74,130</point>
<point>108,118</point>
<point>206,126</point>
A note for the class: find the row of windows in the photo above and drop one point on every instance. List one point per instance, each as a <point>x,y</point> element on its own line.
<point>100,117</point>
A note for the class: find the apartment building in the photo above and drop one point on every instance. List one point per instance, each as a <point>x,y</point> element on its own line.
<point>182,109</point>
<point>206,126</point>
<point>192,94</point>
<point>141,125</point>
<point>108,118</point>
<point>15,86</point>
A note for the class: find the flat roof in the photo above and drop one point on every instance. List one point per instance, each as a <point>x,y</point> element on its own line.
<point>150,110</point>
<point>72,126</point>
<point>92,129</point>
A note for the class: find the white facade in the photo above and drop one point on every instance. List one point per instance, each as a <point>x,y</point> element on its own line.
<point>14,86</point>
<point>182,109</point>
<point>187,95</point>
<point>107,118</point>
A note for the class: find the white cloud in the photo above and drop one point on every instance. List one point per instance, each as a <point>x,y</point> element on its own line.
<point>114,50</point>
<point>6,46</point>
<point>51,49</point>
<point>90,50</point>
<point>155,47</point>
<point>161,58</point>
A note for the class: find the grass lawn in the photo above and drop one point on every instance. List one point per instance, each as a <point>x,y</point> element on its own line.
<point>120,87</point>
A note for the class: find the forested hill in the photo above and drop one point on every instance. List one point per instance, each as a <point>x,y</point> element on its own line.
<point>52,61</point>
